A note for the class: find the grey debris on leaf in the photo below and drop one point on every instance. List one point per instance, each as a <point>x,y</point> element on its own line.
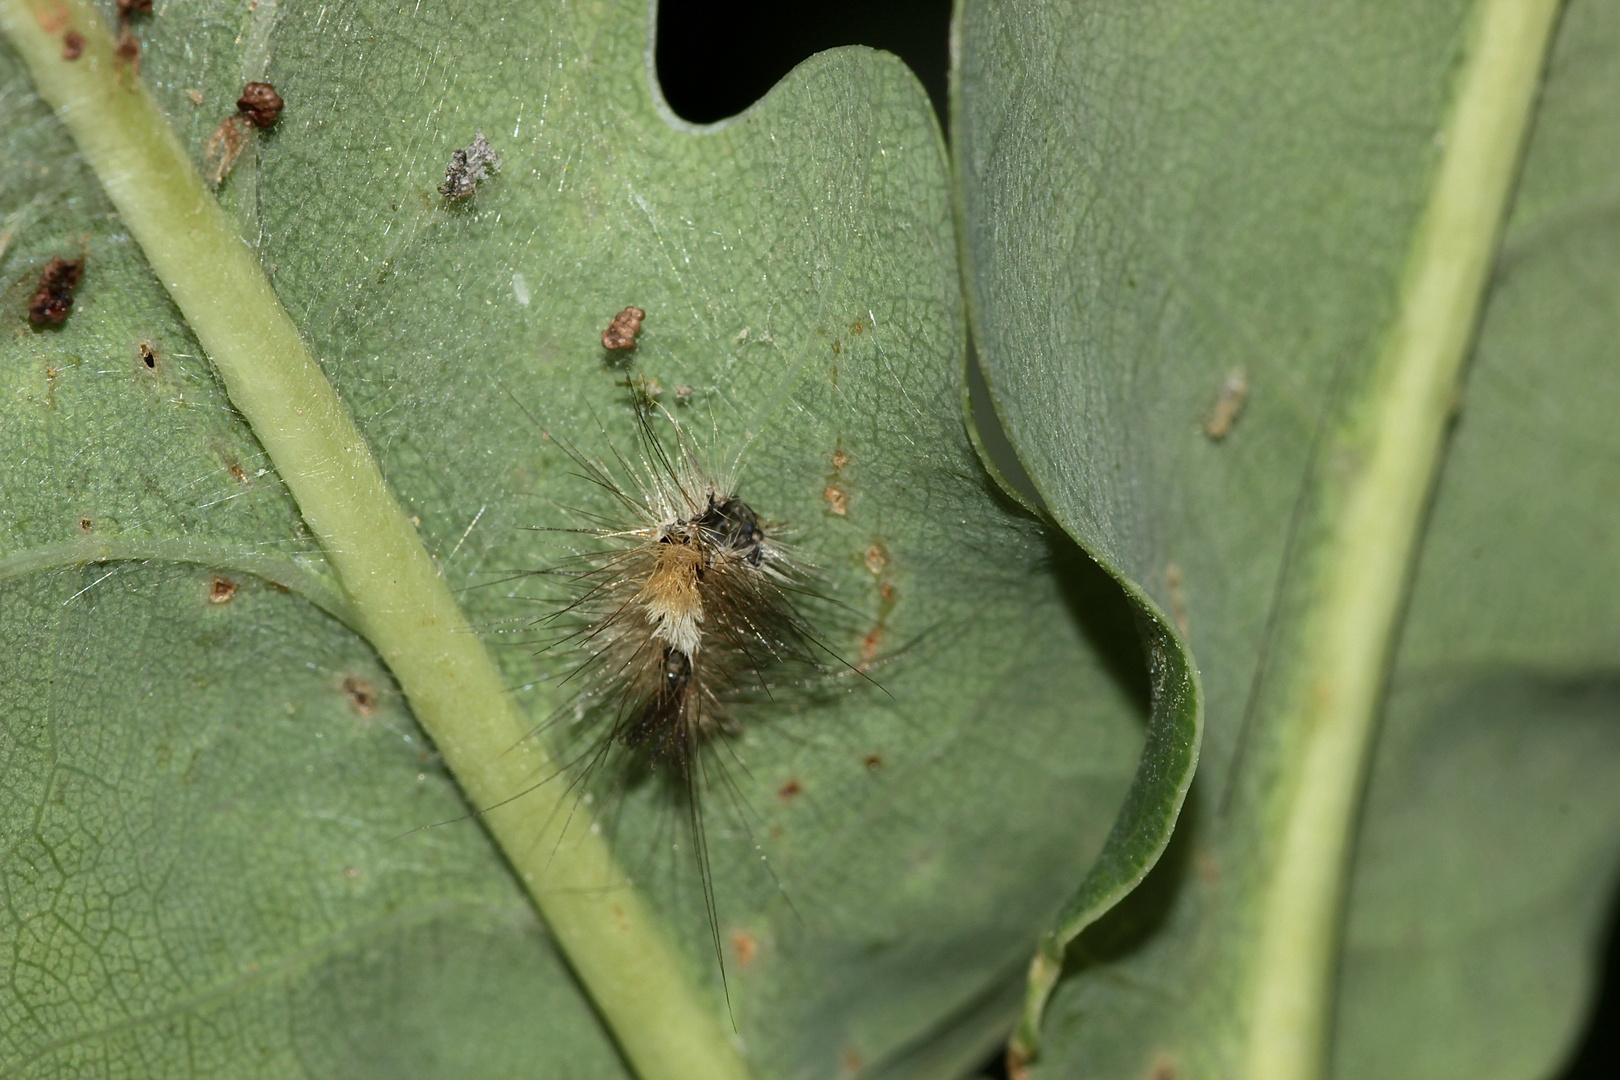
<point>467,168</point>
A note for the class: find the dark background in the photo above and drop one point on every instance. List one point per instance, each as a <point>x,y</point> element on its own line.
<point>717,57</point>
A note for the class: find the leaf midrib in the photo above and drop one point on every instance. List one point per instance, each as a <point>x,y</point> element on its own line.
<point>637,980</point>
<point>1397,437</point>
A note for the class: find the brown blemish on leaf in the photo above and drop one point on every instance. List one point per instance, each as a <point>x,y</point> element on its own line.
<point>223,147</point>
<point>877,561</point>
<point>362,696</point>
<point>195,96</point>
<point>874,762</point>
<point>1229,399</point>
<point>1178,597</point>
<point>876,558</point>
<point>622,331</point>
<point>53,18</point>
<point>869,647</point>
<point>1163,1068</point>
<point>128,50</point>
<point>857,327</point>
<point>85,524</point>
<point>851,1062</point>
<point>221,590</point>
<point>54,298</point>
<point>788,790</point>
<point>72,45</point>
<point>260,104</point>
<point>744,947</point>
<point>836,494</point>
<point>238,473</point>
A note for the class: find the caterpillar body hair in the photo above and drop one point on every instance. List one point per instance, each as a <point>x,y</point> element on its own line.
<point>687,602</point>
<point>685,608</point>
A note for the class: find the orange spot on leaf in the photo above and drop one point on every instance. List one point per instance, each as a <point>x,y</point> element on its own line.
<point>877,558</point>
<point>745,947</point>
<point>52,18</point>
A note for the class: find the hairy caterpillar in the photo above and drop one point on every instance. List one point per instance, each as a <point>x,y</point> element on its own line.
<point>688,602</point>
<point>683,609</point>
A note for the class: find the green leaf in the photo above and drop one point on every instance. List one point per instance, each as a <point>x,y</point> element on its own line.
<point>206,861</point>
<point>1491,837</point>
<point>1164,202</point>
<point>798,270</point>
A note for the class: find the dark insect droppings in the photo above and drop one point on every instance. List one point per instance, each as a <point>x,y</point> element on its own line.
<point>128,49</point>
<point>54,297</point>
<point>621,332</point>
<point>467,168</point>
<point>260,104</point>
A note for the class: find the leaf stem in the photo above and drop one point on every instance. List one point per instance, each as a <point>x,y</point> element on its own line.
<point>666,1029</point>
<point>1393,444</point>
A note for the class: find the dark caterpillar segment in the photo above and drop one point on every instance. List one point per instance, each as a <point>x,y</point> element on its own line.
<point>659,727</point>
<point>732,523</point>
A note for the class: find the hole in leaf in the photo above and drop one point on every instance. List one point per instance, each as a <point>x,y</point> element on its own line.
<point>717,57</point>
